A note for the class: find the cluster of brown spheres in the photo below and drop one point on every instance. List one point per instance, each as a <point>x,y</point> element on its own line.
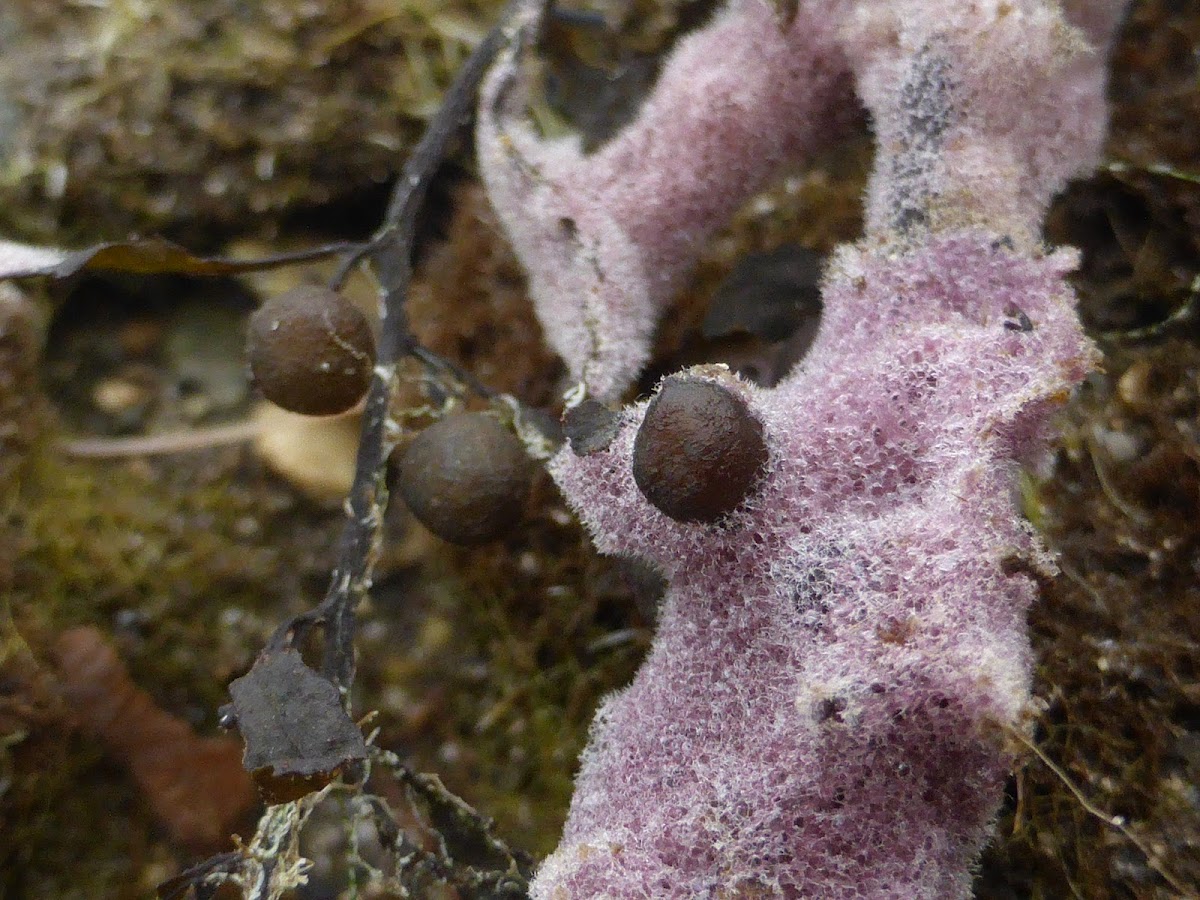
<point>311,351</point>
<point>698,454</point>
<point>466,477</point>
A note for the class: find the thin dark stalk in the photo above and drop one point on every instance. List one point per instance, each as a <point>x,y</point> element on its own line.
<point>389,253</point>
<point>391,257</point>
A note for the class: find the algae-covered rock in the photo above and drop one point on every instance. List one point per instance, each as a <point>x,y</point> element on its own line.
<point>122,117</point>
<point>198,117</point>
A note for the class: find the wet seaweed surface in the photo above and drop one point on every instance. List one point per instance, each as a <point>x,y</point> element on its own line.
<point>484,664</point>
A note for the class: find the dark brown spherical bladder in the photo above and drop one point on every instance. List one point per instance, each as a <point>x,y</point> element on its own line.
<point>311,351</point>
<point>466,478</point>
<point>699,452</point>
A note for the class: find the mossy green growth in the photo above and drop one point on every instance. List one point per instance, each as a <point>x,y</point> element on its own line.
<point>104,538</point>
<point>530,724</point>
<point>1116,633</point>
<point>1115,636</point>
<point>187,564</point>
<point>213,114</point>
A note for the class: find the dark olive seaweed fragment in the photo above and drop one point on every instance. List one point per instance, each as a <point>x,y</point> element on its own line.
<point>768,295</point>
<point>298,735</point>
<point>590,427</point>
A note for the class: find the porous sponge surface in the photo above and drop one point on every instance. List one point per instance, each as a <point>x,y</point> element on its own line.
<point>982,109</point>
<point>814,717</point>
<point>606,237</point>
<point>821,711</point>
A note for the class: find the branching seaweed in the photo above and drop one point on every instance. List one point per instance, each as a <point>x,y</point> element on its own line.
<point>279,687</point>
<point>389,253</point>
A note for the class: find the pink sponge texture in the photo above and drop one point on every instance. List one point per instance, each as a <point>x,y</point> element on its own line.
<point>606,237</point>
<point>982,109</point>
<point>821,712</point>
<point>812,719</point>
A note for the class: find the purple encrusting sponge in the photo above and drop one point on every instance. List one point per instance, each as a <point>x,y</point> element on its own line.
<point>843,639</point>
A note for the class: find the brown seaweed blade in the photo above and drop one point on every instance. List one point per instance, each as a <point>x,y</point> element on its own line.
<point>140,256</point>
<point>194,785</point>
